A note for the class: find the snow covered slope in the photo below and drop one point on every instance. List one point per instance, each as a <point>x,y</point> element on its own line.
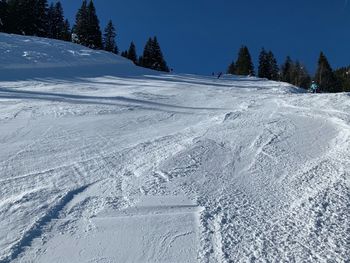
<point>113,163</point>
<point>23,57</point>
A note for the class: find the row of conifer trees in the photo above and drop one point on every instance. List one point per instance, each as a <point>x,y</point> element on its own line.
<point>37,18</point>
<point>34,18</point>
<point>152,56</point>
<point>292,71</point>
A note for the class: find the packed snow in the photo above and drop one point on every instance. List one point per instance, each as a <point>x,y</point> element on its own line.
<point>102,161</point>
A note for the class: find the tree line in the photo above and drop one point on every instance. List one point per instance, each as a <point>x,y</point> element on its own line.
<point>38,18</point>
<point>292,72</point>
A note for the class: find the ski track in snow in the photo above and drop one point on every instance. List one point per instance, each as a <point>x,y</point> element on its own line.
<point>148,167</point>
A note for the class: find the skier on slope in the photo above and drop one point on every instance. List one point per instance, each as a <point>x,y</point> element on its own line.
<point>314,87</point>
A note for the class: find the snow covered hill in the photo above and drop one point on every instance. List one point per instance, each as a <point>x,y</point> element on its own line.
<point>26,57</point>
<point>102,161</point>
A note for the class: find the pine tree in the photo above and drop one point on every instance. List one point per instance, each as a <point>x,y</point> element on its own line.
<point>131,54</point>
<point>300,76</point>
<point>244,64</point>
<point>40,18</point>
<point>109,38</point>
<point>13,7</point>
<point>264,67</point>
<point>51,21</point>
<point>295,73</point>
<point>160,63</point>
<point>231,68</point>
<point>66,33</point>
<point>146,60</point>
<point>28,20</point>
<point>94,32</point>
<point>27,17</point>
<point>22,18</point>
<point>325,76</point>
<point>273,66</point>
<point>153,57</point>
<point>80,28</point>
<point>286,70</point>
<point>343,78</point>
<point>305,78</point>
<point>4,16</point>
<point>87,26</point>
<point>59,20</point>
<point>56,23</point>
<point>268,67</point>
<point>124,54</point>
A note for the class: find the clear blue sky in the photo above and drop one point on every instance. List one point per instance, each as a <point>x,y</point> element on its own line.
<point>202,36</point>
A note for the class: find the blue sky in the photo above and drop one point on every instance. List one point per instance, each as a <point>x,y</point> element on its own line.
<point>201,36</point>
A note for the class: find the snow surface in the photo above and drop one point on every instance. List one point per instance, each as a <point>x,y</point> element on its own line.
<point>102,161</point>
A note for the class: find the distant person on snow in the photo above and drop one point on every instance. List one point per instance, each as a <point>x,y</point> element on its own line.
<point>220,74</point>
<point>314,87</point>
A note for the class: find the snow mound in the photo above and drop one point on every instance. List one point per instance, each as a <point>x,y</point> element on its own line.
<point>28,57</point>
<point>23,57</point>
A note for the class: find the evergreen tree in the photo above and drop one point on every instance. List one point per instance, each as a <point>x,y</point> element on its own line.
<point>56,24</point>
<point>295,73</point>
<point>13,10</point>
<point>268,67</point>
<point>94,32</point>
<point>244,64</point>
<point>343,78</point>
<point>109,37</point>
<point>325,76</point>
<point>27,17</point>
<point>124,54</point>
<point>286,70</point>
<point>131,54</point>
<point>273,66</point>
<point>264,67</point>
<point>300,76</point>
<point>4,16</point>
<point>51,21</point>
<point>66,33</point>
<point>305,78</point>
<point>146,60</point>
<point>87,26</point>
<point>160,63</point>
<point>80,28</point>
<point>153,57</point>
<point>28,21</point>
<point>40,18</point>
<point>22,18</point>
<point>59,20</point>
<point>231,68</point>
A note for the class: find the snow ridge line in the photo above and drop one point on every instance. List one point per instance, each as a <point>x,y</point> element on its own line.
<point>36,229</point>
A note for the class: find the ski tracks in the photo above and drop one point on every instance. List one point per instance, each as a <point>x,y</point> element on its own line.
<point>249,201</point>
<point>241,225</point>
<point>36,230</point>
